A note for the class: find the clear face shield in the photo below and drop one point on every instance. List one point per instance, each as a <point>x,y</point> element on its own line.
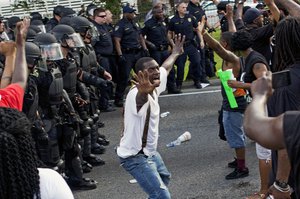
<point>74,41</point>
<point>42,28</point>
<point>51,52</point>
<point>93,34</point>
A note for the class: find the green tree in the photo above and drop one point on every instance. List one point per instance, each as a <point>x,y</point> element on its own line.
<point>27,6</point>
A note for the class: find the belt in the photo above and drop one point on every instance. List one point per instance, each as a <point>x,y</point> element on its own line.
<point>131,50</point>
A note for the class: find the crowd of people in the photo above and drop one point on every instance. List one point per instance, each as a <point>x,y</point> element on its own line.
<point>61,73</point>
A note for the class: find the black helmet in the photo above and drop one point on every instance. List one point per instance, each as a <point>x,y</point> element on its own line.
<point>67,36</point>
<point>68,12</point>
<point>12,21</point>
<point>65,20</point>
<point>58,10</point>
<point>31,34</point>
<point>40,24</point>
<point>36,15</point>
<point>85,28</point>
<point>33,53</point>
<point>90,9</point>
<point>80,24</point>
<point>50,48</point>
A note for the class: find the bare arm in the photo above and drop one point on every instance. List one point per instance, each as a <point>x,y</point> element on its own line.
<point>239,10</point>
<point>259,69</point>
<point>8,49</point>
<point>176,51</point>
<point>20,74</point>
<point>273,8</point>
<point>267,131</point>
<point>290,5</point>
<point>229,17</point>
<point>117,41</point>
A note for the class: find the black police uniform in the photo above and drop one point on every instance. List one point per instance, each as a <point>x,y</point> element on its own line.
<point>156,32</point>
<point>197,11</point>
<point>129,33</point>
<point>185,26</point>
<point>103,47</point>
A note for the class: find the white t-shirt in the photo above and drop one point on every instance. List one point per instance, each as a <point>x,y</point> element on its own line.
<point>53,186</point>
<point>134,122</point>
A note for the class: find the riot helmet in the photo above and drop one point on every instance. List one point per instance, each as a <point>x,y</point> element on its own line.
<point>39,24</point>
<point>50,48</point>
<point>67,36</point>
<point>33,54</point>
<point>84,27</point>
<point>31,34</point>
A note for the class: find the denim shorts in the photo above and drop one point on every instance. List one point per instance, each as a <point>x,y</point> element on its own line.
<point>234,131</point>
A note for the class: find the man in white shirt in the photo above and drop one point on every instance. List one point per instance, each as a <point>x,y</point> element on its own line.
<point>137,150</point>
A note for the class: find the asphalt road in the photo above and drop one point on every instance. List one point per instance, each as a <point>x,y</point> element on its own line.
<point>198,167</point>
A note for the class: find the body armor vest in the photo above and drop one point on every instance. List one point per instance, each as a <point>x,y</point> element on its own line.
<point>56,87</point>
<point>70,77</point>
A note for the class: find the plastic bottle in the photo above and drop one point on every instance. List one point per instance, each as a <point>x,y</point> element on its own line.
<point>164,114</point>
<point>174,143</point>
<point>182,138</point>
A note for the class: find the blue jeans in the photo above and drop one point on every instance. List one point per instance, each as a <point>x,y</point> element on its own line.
<point>151,174</point>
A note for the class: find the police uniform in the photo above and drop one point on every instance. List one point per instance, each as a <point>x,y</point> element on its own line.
<point>156,33</point>
<point>185,26</point>
<point>103,47</point>
<point>197,11</point>
<point>129,33</point>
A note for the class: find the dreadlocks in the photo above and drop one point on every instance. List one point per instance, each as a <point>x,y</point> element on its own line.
<point>19,176</point>
<point>287,50</point>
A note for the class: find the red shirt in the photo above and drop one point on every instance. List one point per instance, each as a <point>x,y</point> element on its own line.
<point>12,96</point>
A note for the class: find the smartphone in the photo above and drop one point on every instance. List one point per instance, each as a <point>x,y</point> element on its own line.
<point>281,79</point>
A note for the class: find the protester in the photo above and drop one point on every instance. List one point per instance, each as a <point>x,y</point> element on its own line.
<point>20,176</point>
<point>274,132</point>
<point>137,150</point>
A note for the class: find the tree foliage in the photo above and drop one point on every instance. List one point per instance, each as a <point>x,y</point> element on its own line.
<point>113,5</point>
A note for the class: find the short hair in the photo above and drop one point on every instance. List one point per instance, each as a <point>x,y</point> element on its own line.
<point>241,40</point>
<point>98,10</point>
<point>141,63</point>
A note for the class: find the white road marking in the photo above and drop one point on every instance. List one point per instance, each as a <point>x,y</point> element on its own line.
<point>190,93</point>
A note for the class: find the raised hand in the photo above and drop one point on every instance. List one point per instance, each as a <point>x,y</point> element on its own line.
<point>229,12</point>
<point>142,82</point>
<point>178,44</point>
<point>21,30</point>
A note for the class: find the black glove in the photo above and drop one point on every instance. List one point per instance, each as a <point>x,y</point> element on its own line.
<point>121,59</point>
<point>151,46</point>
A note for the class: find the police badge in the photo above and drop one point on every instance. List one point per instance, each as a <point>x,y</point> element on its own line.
<point>116,28</point>
<point>189,19</point>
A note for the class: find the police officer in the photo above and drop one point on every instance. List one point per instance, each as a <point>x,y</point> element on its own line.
<point>57,113</point>
<point>57,11</point>
<point>155,30</point>
<point>130,46</point>
<point>185,24</point>
<point>89,64</point>
<point>194,8</point>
